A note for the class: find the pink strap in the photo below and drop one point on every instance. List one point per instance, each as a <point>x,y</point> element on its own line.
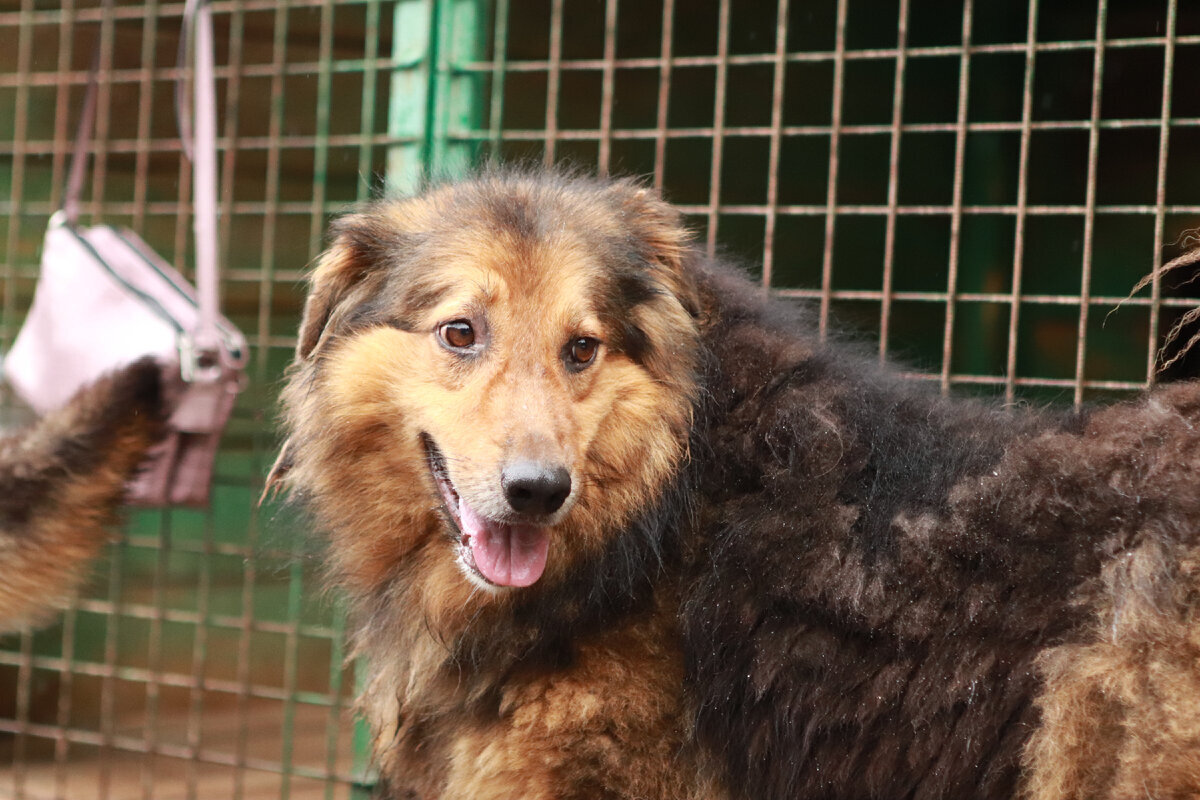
<point>201,146</point>
<point>83,136</point>
<point>207,336</point>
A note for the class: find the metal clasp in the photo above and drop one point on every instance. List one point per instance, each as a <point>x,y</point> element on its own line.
<point>196,364</point>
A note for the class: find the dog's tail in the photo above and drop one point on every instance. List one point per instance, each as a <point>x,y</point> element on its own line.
<point>61,483</point>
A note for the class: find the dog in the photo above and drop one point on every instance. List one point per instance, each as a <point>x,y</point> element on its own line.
<point>612,523</point>
<point>61,483</point>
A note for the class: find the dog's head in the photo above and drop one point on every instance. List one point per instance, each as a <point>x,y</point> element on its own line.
<point>501,371</point>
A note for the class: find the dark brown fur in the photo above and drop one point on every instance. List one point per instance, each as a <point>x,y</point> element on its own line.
<point>786,573</point>
<point>61,482</point>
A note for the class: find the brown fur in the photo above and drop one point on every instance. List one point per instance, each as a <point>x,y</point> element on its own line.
<point>1121,706</point>
<point>61,482</point>
<point>623,429</point>
<point>782,572</point>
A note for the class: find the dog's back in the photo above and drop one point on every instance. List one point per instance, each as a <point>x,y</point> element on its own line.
<point>914,597</point>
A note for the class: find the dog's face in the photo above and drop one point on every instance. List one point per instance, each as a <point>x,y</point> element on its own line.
<point>492,379</point>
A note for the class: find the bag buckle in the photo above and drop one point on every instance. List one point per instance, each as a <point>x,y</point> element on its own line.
<point>198,364</point>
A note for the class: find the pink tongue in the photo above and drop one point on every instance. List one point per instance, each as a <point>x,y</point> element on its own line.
<point>507,555</point>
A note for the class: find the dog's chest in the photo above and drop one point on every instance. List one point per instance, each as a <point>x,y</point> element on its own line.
<point>610,723</point>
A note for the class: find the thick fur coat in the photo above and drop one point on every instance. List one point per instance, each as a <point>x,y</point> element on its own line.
<point>61,482</point>
<point>755,565</point>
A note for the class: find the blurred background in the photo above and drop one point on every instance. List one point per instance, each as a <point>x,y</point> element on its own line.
<point>971,187</point>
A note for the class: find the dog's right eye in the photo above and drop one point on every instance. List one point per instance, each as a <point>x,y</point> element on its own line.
<point>458,334</point>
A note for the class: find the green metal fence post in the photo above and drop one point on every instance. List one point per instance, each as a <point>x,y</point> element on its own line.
<point>408,110</point>
<point>458,94</point>
<point>434,102</point>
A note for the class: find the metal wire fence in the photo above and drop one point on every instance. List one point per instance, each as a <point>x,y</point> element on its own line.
<point>973,186</point>
<point>202,661</point>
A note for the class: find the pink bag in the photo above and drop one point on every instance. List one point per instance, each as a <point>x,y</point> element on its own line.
<point>105,299</point>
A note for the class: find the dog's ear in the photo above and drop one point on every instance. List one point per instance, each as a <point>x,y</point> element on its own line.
<point>353,254</point>
<point>656,222</point>
<point>341,268</point>
<point>279,470</point>
<point>660,232</point>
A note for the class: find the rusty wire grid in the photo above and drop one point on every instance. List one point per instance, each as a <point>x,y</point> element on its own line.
<point>971,187</point>
<point>1017,137</point>
<point>202,660</point>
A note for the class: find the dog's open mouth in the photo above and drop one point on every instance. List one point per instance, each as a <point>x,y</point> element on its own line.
<point>501,553</point>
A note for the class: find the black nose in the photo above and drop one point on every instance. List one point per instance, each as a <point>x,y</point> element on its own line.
<point>533,488</point>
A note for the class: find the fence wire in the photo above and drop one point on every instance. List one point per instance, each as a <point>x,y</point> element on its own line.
<point>202,661</point>
<point>975,191</point>
<point>973,186</point>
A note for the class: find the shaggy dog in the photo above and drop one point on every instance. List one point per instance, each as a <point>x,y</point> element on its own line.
<point>60,484</point>
<point>613,524</point>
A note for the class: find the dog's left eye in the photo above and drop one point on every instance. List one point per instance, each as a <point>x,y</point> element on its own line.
<point>457,334</point>
<point>582,351</point>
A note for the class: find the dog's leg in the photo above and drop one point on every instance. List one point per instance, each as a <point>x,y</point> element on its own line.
<point>1120,704</point>
<point>1121,713</point>
<point>61,482</point>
